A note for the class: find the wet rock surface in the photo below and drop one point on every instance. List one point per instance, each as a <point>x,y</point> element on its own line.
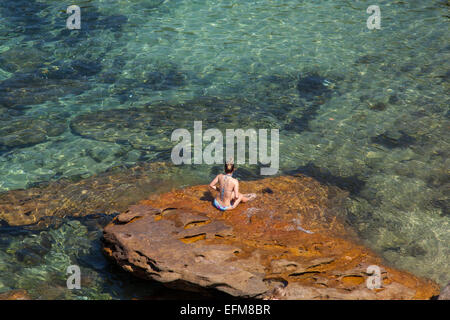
<point>258,250</point>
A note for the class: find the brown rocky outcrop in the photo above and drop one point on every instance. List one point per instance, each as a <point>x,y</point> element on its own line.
<point>18,294</point>
<point>258,250</point>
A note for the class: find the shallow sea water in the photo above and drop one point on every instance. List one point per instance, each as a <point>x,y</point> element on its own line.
<point>379,129</point>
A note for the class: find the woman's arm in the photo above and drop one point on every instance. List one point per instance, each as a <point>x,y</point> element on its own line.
<point>213,183</point>
<point>236,189</point>
<point>237,195</point>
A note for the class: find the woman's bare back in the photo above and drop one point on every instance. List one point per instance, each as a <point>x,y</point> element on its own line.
<point>228,196</point>
<point>227,186</point>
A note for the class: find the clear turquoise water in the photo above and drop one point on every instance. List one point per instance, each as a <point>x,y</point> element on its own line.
<point>380,131</point>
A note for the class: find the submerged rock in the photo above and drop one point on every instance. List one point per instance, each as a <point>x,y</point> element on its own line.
<point>93,20</point>
<point>445,293</point>
<point>109,192</point>
<point>150,127</point>
<point>36,79</point>
<point>259,250</point>
<point>151,4</point>
<point>134,126</point>
<point>156,78</point>
<point>300,124</point>
<point>20,59</point>
<point>392,140</point>
<point>352,184</point>
<point>76,69</point>
<point>369,59</point>
<point>170,79</point>
<point>313,86</point>
<point>26,17</point>
<point>377,106</point>
<point>25,89</point>
<point>95,24</point>
<point>27,131</point>
<point>18,294</point>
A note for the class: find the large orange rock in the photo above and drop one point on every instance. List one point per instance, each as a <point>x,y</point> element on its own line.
<point>261,249</point>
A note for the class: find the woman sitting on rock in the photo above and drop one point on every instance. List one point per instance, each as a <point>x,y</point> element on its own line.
<point>228,197</point>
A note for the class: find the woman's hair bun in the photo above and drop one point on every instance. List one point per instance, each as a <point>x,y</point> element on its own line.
<point>229,166</point>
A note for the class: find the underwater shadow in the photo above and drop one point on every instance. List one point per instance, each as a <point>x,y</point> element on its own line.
<point>352,184</point>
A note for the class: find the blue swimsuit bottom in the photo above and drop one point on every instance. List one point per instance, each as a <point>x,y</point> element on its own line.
<point>218,206</point>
